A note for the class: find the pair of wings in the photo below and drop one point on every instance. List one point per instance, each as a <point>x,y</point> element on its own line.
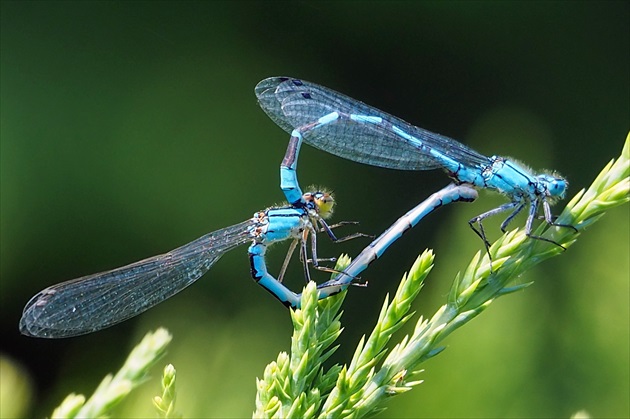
<point>97,301</point>
<point>93,302</point>
<point>296,104</point>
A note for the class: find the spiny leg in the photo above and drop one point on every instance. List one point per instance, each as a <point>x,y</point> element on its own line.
<point>478,220</point>
<point>304,256</point>
<point>287,259</point>
<point>509,219</point>
<point>314,261</point>
<point>328,230</point>
<point>549,219</point>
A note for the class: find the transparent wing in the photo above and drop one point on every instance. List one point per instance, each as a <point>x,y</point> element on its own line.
<point>293,104</point>
<point>94,302</point>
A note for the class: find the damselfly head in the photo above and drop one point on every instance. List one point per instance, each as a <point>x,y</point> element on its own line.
<point>322,202</point>
<point>556,186</point>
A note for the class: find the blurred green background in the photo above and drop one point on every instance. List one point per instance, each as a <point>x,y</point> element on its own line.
<point>130,128</point>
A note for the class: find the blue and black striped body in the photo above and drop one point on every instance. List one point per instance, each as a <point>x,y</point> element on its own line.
<point>276,225</point>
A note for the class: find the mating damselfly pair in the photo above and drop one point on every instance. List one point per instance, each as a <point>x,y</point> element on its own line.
<point>331,122</point>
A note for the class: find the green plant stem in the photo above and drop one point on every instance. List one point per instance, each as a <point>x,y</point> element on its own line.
<point>361,387</point>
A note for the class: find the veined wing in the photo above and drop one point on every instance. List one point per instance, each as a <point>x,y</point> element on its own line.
<point>94,302</point>
<point>295,104</point>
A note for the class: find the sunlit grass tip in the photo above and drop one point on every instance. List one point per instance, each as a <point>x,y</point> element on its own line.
<point>114,388</point>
